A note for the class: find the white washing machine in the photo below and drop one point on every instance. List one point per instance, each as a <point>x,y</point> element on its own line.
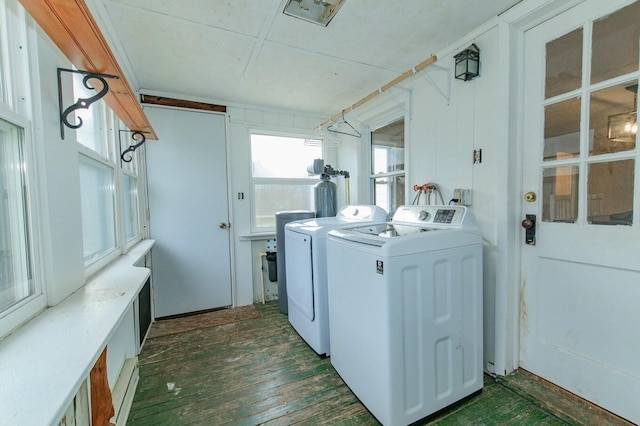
<point>306,265</point>
<point>406,311</point>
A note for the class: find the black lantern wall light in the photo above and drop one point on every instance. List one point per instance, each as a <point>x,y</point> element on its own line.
<point>468,63</point>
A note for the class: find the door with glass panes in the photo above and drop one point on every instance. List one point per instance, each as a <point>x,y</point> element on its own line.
<point>580,284</point>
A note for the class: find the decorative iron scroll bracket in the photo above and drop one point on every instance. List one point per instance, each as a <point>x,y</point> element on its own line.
<point>81,102</point>
<point>132,148</point>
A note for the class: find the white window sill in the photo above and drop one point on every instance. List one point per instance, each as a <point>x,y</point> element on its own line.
<point>258,236</point>
<point>44,362</point>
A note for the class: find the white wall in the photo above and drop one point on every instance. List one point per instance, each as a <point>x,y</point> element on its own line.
<point>444,136</point>
<point>445,120</point>
<point>59,180</point>
<point>247,246</point>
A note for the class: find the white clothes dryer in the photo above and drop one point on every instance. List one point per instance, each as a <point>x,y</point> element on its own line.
<point>306,265</point>
<point>406,311</point>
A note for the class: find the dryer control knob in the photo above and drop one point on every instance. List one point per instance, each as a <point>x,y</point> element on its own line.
<point>423,215</point>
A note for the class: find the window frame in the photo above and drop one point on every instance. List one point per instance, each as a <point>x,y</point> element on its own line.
<point>21,106</point>
<point>20,312</point>
<point>114,133</point>
<point>106,257</point>
<point>17,49</point>
<point>254,181</point>
<point>585,158</point>
<point>391,175</point>
<point>133,169</point>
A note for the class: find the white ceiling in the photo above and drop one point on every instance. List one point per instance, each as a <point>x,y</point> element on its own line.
<point>249,52</point>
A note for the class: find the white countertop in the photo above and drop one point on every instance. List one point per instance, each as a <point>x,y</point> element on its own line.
<point>43,363</point>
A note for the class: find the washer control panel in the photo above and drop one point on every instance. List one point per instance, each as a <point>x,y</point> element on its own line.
<point>435,215</point>
<point>444,216</point>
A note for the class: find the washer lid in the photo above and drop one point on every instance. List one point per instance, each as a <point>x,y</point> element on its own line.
<point>347,216</point>
<point>365,213</point>
<point>379,234</point>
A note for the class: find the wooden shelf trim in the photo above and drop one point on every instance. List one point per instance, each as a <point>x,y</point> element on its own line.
<point>71,26</point>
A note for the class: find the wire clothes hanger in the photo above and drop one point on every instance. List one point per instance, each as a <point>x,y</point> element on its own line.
<point>345,130</point>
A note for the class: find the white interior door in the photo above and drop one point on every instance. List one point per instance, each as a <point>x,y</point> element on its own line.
<point>189,215</point>
<point>579,314</point>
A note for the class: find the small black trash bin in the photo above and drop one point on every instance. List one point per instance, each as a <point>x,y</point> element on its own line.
<point>272,266</point>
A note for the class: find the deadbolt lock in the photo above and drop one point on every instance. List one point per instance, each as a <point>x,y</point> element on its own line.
<point>530,197</point>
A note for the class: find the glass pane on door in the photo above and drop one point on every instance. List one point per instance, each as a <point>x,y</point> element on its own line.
<point>562,130</point>
<point>560,194</point>
<point>610,193</point>
<point>612,119</point>
<point>564,64</point>
<point>615,44</point>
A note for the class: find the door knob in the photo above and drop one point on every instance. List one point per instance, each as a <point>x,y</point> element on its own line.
<point>529,224</point>
<point>222,225</point>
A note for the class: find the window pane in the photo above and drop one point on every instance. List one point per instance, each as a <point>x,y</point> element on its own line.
<point>3,79</point>
<point>389,192</point>
<point>283,157</point>
<point>130,205</point>
<point>387,151</point>
<point>16,279</point>
<point>564,64</point>
<point>562,130</point>
<point>98,218</point>
<point>612,117</point>
<point>615,44</point>
<point>610,200</point>
<point>270,199</point>
<point>92,133</point>
<point>560,194</point>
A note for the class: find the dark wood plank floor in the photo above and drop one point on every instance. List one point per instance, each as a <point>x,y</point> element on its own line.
<point>257,370</point>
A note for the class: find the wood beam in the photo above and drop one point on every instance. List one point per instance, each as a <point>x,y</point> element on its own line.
<point>71,26</point>
<point>180,103</point>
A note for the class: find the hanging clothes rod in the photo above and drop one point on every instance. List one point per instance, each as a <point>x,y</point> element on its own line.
<point>422,65</point>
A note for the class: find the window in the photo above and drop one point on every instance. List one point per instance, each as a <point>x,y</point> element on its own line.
<point>3,79</point>
<point>130,204</point>
<point>590,127</point>
<point>16,268</point>
<point>129,183</point>
<point>97,179</point>
<point>93,131</point>
<point>21,294</point>
<point>387,166</point>
<point>280,180</point>
<point>98,209</point>
<point>108,186</point>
